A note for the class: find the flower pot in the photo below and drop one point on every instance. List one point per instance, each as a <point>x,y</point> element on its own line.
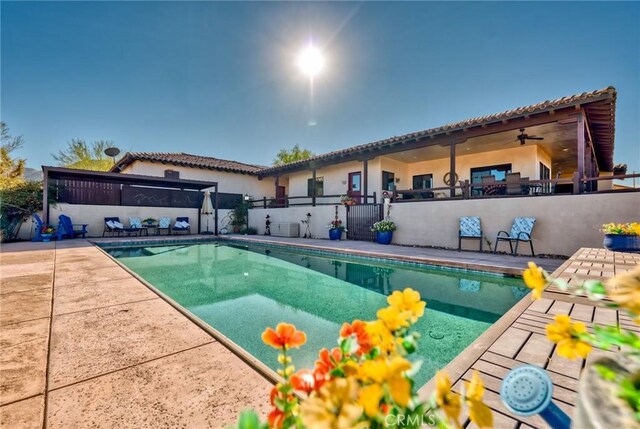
<point>149,222</point>
<point>335,234</point>
<point>46,237</point>
<point>384,237</point>
<point>622,242</point>
<point>386,200</point>
<point>599,406</point>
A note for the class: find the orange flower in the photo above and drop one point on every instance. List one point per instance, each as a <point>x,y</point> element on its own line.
<point>358,329</point>
<point>328,361</point>
<point>276,416</point>
<point>304,380</point>
<point>284,337</point>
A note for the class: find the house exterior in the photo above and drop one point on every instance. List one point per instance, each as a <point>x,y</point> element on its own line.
<point>573,138</point>
<point>232,177</point>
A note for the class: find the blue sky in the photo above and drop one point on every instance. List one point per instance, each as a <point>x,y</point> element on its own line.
<point>219,79</point>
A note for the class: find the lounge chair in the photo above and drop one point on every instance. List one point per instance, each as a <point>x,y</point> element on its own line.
<point>164,223</point>
<point>114,226</point>
<point>469,228</point>
<point>66,228</point>
<point>182,225</point>
<point>520,231</point>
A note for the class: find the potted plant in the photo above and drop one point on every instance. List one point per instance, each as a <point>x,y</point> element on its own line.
<point>384,231</point>
<point>47,232</point>
<point>386,197</point>
<point>149,221</point>
<point>347,200</point>
<point>335,229</point>
<point>609,389</point>
<point>622,237</point>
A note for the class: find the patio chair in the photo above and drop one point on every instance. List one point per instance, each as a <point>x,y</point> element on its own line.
<point>520,231</point>
<point>66,228</point>
<point>513,184</point>
<point>182,225</point>
<point>469,228</point>
<point>114,226</point>
<point>164,223</point>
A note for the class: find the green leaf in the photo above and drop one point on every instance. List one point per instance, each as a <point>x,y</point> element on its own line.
<point>248,420</point>
<point>605,372</point>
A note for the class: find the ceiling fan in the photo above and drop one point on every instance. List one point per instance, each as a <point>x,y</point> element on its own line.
<point>523,137</point>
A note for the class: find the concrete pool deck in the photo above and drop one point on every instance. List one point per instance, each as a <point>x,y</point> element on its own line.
<point>85,344</point>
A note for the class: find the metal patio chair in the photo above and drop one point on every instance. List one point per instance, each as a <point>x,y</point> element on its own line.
<point>520,232</point>
<point>469,228</point>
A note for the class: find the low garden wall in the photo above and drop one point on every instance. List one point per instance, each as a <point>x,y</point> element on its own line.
<point>564,223</point>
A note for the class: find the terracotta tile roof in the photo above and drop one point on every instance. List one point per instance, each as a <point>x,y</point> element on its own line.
<point>188,160</point>
<point>605,138</point>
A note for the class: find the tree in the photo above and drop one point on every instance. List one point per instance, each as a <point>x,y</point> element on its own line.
<point>11,170</point>
<point>285,156</point>
<point>79,154</point>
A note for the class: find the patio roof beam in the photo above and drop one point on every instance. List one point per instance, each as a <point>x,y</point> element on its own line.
<point>581,143</point>
<point>452,169</point>
<point>438,138</point>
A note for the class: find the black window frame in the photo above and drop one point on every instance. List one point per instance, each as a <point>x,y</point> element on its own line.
<point>319,187</point>
<point>413,181</point>
<point>390,178</point>
<point>477,190</point>
<point>545,174</point>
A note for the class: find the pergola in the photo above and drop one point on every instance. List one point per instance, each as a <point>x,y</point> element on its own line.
<point>102,188</point>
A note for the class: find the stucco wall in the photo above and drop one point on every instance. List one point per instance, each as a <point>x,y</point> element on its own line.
<point>227,182</point>
<point>94,215</point>
<point>524,159</point>
<point>321,216</point>
<point>564,223</point>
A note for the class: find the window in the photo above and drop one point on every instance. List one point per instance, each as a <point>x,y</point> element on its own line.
<point>423,181</point>
<point>498,171</point>
<point>171,174</point>
<point>319,187</point>
<point>545,174</point>
<point>388,181</point>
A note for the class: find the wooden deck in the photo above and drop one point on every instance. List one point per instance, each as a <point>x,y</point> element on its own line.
<point>524,340</point>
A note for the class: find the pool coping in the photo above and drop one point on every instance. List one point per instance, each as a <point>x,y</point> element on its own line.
<point>245,356</point>
<point>455,368</point>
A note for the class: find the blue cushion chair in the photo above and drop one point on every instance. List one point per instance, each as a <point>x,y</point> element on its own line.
<point>520,232</point>
<point>117,229</point>
<point>470,228</point>
<point>67,229</point>
<point>164,223</point>
<point>177,228</point>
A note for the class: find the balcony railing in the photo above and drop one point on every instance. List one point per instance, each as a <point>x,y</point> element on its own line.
<point>318,200</point>
<point>464,190</point>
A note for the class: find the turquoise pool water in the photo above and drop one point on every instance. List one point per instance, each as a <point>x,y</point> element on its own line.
<point>239,290</point>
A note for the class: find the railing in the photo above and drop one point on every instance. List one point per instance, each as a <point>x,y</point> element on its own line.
<point>501,189</point>
<point>318,200</point>
<point>464,190</point>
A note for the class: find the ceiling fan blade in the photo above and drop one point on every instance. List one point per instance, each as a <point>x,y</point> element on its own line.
<point>535,138</point>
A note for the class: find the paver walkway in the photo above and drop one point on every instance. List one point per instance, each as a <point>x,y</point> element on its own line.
<point>84,344</point>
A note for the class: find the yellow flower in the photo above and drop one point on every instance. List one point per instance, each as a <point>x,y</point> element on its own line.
<point>447,401</point>
<point>534,278</point>
<point>370,399</point>
<point>624,290</point>
<point>393,318</point>
<point>479,413</point>
<point>407,300</point>
<point>381,371</point>
<point>635,227</point>
<point>381,336</point>
<point>335,406</point>
<point>567,336</point>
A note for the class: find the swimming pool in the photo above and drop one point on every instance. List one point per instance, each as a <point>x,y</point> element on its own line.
<point>240,289</point>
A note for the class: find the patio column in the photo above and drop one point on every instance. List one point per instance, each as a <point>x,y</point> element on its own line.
<point>452,169</point>
<point>313,187</point>
<point>215,209</point>
<point>45,197</point>
<point>581,150</point>
<point>277,184</point>
<point>365,180</point>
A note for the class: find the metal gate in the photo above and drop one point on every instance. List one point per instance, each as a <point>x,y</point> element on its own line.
<point>360,219</point>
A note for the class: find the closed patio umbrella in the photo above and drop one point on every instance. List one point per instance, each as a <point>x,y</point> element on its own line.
<point>207,209</point>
